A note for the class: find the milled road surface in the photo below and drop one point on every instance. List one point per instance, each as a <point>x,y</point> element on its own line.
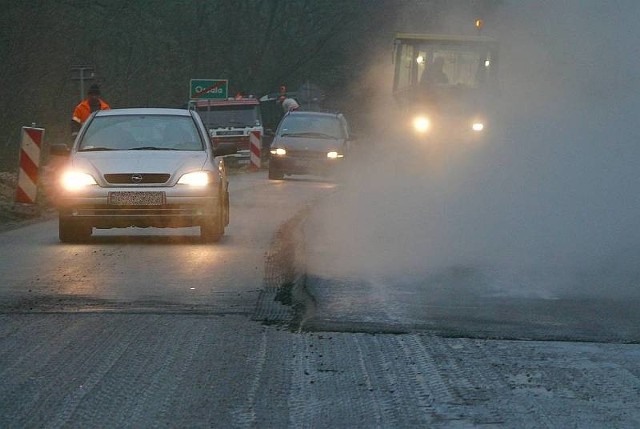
<point>116,337</point>
<point>167,370</point>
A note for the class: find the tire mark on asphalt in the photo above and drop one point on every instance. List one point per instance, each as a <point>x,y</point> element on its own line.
<point>422,370</point>
<point>300,399</point>
<point>77,370</point>
<point>245,416</point>
<point>175,360</point>
<point>414,410</point>
<point>369,383</point>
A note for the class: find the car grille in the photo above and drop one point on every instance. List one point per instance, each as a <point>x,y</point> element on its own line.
<point>136,178</point>
<point>306,154</point>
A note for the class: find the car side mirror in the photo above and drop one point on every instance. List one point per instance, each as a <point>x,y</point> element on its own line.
<point>59,149</point>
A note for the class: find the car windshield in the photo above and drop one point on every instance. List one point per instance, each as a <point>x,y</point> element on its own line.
<point>141,132</point>
<point>312,126</point>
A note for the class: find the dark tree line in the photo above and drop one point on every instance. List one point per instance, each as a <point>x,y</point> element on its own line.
<point>146,51</point>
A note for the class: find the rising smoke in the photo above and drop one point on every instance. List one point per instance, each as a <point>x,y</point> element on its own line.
<point>551,205</point>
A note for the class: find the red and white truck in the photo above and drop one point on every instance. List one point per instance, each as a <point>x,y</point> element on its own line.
<point>234,120</point>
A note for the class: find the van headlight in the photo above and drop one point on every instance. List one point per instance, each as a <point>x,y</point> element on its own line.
<point>75,180</point>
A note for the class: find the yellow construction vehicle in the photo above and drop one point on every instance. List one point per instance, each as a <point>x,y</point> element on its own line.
<point>446,87</point>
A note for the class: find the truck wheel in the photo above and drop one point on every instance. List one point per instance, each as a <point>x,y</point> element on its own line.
<point>72,231</point>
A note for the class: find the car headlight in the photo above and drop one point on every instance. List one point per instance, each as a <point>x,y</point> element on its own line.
<point>421,124</point>
<point>75,180</point>
<point>334,155</point>
<point>196,178</point>
<point>278,151</point>
<point>477,126</point>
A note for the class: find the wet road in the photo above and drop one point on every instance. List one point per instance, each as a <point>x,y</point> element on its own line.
<point>111,334</point>
<point>153,269</point>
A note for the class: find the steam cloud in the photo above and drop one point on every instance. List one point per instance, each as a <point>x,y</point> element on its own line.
<point>551,206</point>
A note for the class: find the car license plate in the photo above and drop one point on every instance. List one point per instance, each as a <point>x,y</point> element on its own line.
<point>136,198</point>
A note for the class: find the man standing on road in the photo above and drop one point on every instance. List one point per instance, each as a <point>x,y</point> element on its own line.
<point>87,106</point>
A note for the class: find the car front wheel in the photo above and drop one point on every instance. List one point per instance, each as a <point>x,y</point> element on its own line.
<point>226,208</point>
<point>72,231</point>
<point>212,229</point>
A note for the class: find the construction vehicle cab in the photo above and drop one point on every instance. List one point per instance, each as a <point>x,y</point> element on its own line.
<point>446,86</point>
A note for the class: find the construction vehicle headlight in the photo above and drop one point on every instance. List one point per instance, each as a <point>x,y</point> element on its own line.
<point>278,151</point>
<point>477,126</point>
<point>421,124</point>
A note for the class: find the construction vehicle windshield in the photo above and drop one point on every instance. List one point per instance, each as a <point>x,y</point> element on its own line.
<point>443,61</point>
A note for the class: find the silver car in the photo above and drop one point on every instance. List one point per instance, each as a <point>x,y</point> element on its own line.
<point>146,167</point>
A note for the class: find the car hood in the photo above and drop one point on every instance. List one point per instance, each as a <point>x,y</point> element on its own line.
<point>174,163</point>
<point>311,144</point>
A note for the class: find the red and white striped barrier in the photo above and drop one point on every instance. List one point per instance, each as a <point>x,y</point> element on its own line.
<point>30,149</point>
<point>254,148</point>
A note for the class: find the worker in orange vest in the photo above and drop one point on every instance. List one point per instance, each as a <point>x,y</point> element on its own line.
<point>87,106</point>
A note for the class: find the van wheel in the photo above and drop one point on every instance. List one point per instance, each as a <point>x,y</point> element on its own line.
<point>275,174</point>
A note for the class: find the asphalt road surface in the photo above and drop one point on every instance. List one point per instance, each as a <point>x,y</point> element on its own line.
<point>142,328</point>
<point>455,240</point>
<point>153,269</point>
<point>356,289</point>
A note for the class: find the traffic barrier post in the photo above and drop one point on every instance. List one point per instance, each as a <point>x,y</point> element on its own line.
<point>30,158</point>
<point>254,149</point>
